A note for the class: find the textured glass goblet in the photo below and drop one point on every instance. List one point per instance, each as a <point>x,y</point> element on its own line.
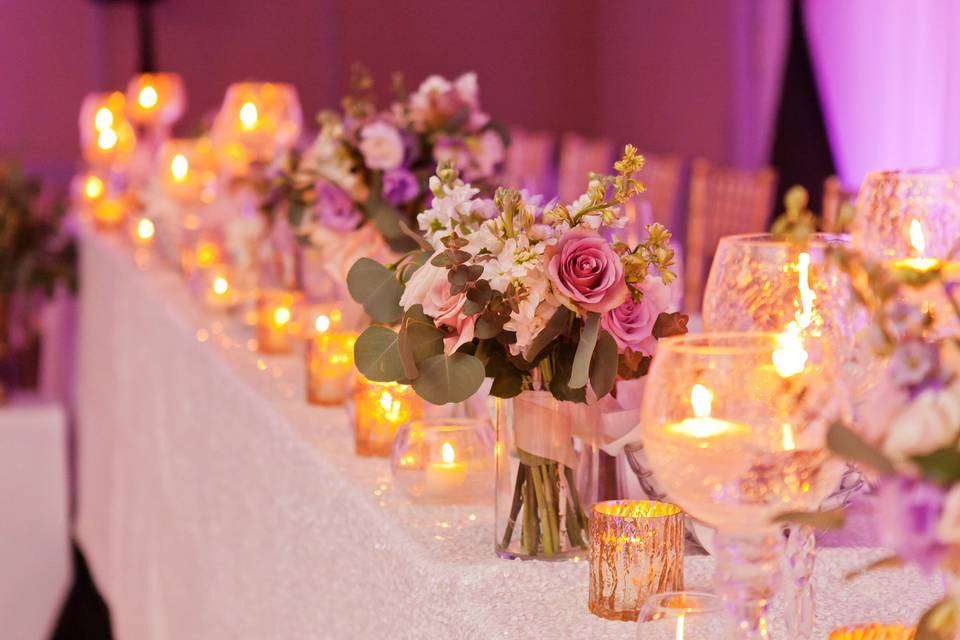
<point>761,283</point>
<point>889,202</point>
<point>683,615</point>
<point>734,425</point>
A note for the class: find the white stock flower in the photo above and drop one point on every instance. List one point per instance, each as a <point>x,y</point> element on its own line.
<point>929,422</point>
<point>533,312</point>
<point>381,145</point>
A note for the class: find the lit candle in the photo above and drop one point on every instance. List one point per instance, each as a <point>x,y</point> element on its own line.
<point>703,425</point>
<point>109,213</point>
<point>379,409</point>
<point>447,476</point>
<point>917,263</point>
<point>106,136</point>
<point>255,121</point>
<point>274,329</point>
<point>155,100</point>
<point>330,371</point>
<point>143,232</point>
<point>219,291</point>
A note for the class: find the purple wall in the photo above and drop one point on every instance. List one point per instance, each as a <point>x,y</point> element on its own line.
<point>656,73</point>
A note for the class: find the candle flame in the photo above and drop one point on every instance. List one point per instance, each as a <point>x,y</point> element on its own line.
<point>179,167</point>
<point>145,229</point>
<point>220,285</point>
<point>93,187</point>
<point>917,240</point>
<point>789,444</point>
<point>789,358</point>
<point>386,400</point>
<point>207,254</point>
<point>681,619</point>
<point>447,453</point>
<point>322,323</point>
<point>248,116</point>
<point>107,139</point>
<point>701,398</point>
<point>148,98</point>
<point>103,119</point>
<point>281,316</point>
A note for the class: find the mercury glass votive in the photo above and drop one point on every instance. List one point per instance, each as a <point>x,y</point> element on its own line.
<point>874,631</point>
<point>379,409</point>
<point>155,100</point>
<point>109,213</point>
<point>444,460</point>
<point>275,329</point>
<point>636,550</point>
<point>330,370</point>
<point>683,615</point>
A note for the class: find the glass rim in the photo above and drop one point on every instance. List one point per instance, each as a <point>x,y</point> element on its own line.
<point>658,602</point>
<point>914,173</point>
<point>604,509</point>
<point>448,425</point>
<point>742,343</point>
<point>819,240</point>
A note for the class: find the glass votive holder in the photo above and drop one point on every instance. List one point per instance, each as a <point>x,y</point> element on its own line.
<point>185,168</point>
<point>874,631</point>
<point>444,460</point>
<point>330,370</point>
<point>106,136</point>
<point>87,189</point>
<point>200,249</point>
<point>219,287</point>
<point>636,550</point>
<point>275,328</point>
<point>143,232</point>
<point>684,615</point>
<point>109,213</point>
<point>256,120</point>
<point>155,100</point>
<point>379,409</point>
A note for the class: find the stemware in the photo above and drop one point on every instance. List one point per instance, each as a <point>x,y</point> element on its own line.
<point>682,615</point>
<point>734,424</point>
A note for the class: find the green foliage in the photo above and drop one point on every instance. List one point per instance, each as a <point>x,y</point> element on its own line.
<point>449,378</point>
<point>377,355</point>
<point>833,519</point>
<point>848,444</point>
<point>604,365</point>
<point>670,324</point>
<point>419,339</point>
<point>580,369</point>
<point>942,466</point>
<point>377,289</point>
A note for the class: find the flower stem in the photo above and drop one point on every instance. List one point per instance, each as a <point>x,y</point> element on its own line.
<point>515,505</point>
<point>546,531</point>
<point>530,536</point>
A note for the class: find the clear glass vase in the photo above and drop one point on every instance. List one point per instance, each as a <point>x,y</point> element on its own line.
<point>546,476</point>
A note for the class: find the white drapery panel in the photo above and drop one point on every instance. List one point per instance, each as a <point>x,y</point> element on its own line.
<point>887,73</point>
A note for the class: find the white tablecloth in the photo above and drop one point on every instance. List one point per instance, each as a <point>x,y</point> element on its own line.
<point>214,503</point>
<point>34,539</point>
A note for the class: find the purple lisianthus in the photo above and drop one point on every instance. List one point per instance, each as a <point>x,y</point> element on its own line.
<point>906,513</point>
<point>400,186</point>
<point>585,268</point>
<point>334,208</point>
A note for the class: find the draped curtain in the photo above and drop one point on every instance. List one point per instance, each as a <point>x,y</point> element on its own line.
<point>889,82</point>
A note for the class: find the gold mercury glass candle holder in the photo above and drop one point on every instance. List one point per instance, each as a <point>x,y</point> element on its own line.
<point>330,371</point>
<point>444,460</point>
<point>275,328</point>
<point>109,213</point>
<point>636,550</point>
<point>874,631</point>
<point>379,409</point>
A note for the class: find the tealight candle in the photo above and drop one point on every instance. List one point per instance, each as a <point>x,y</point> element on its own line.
<point>187,168</point>
<point>703,425</point>
<point>275,312</point>
<point>874,631</point>
<point>917,263</point>
<point>444,460</point>
<point>106,136</point>
<point>636,550</point>
<point>683,615</point>
<point>379,409</point>
<point>255,121</point>
<point>330,370</point>
<point>143,232</point>
<point>155,100</point>
<point>219,287</point>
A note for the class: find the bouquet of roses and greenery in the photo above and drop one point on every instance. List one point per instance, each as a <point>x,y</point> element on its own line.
<point>370,165</point>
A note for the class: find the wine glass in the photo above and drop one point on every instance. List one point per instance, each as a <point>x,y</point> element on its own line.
<point>760,282</point>
<point>890,202</point>
<point>735,426</point>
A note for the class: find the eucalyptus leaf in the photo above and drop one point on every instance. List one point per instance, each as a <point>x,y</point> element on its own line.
<point>942,466</point>
<point>416,237</point>
<point>376,288</point>
<point>425,339</point>
<point>487,327</point>
<point>670,324</point>
<point>938,622</point>
<point>377,355</point>
<point>848,444</point>
<point>603,365</point>
<point>832,519</point>
<point>410,267</point>
<point>555,326</point>
<point>449,378</point>
<point>581,361</point>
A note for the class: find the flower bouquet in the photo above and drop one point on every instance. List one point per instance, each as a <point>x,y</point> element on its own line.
<point>365,176</point>
<point>544,299</point>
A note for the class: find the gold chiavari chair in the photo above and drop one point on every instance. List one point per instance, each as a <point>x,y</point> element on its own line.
<point>529,163</point>
<point>835,197</point>
<point>661,176</point>
<point>723,201</point>
<point>579,156</point>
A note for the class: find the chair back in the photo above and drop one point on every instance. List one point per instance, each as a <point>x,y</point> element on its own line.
<point>835,196</point>
<point>529,163</point>
<point>579,156</point>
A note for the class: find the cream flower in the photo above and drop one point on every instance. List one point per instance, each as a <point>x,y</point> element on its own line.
<point>382,146</point>
<point>931,421</point>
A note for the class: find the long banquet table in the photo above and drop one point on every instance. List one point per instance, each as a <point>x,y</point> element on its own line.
<point>215,503</point>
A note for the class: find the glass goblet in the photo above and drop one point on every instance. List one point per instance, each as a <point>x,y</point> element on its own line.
<point>734,424</point>
<point>682,615</point>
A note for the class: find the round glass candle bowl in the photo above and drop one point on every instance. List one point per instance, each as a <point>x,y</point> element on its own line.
<point>444,461</point>
<point>106,136</point>
<point>874,631</point>
<point>256,120</point>
<point>186,169</point>
<point>378,410</point>
<point>683,615</point>
<point>155,100</point>
<point>636,550</point>
<point>734,426</point>
<point>891,202</point>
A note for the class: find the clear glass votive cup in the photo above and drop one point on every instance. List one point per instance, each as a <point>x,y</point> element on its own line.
<point>275,328</point>
<point>636,549</point>
<point>684,615</point>
<point>444,460</point>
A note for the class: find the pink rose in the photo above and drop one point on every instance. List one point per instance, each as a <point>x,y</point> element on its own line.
<point>584,267</point>
<point>429,287</point>
<point>631,324</point>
